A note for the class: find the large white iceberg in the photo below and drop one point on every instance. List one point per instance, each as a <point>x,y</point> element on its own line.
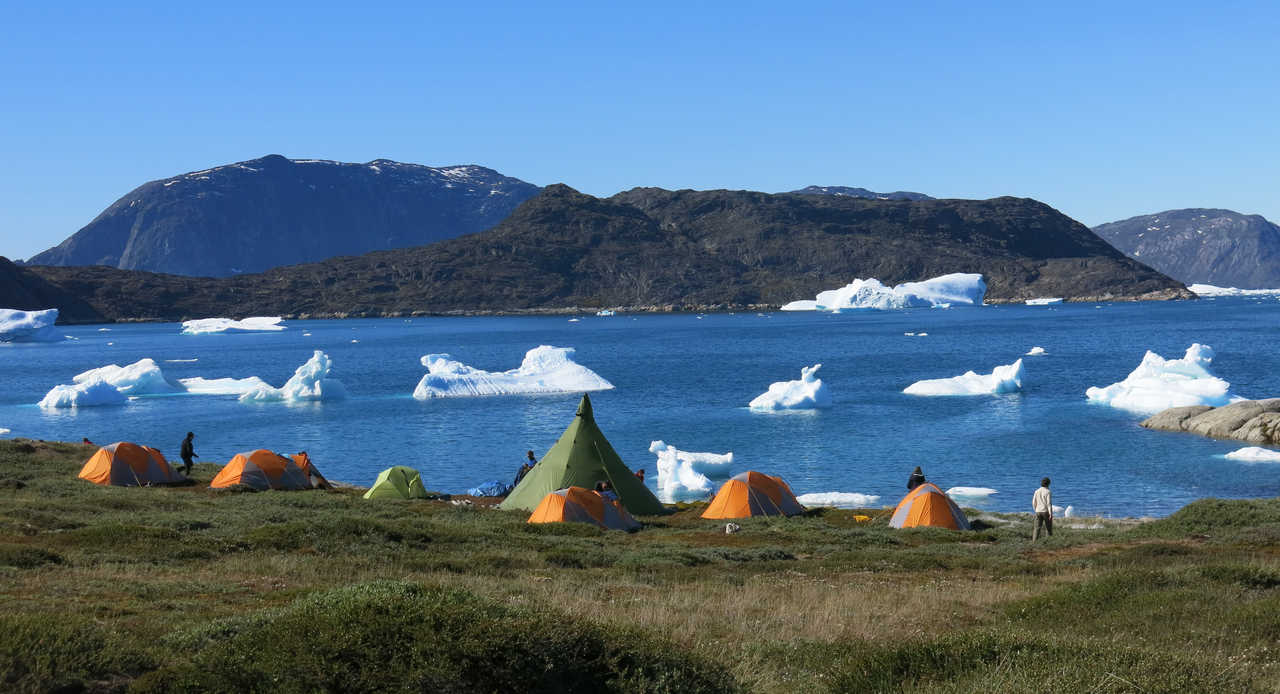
<point>839,499</point>
<point>1158,384</point>
<point>1210,290</point>
<point>205,326</point>
<point>1254,454</point>
<point>685,475</point>
<point>955,288</point>
<point>545,369</point>
<point>310,382</point>
<point>142,377</point>
<point>86,394</point>
<point>807,393</point>
<point>1002,379</point>
<point>29,326</point>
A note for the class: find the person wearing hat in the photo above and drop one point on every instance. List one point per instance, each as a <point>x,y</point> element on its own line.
<point>1042,504</point>
<point>916,479</point>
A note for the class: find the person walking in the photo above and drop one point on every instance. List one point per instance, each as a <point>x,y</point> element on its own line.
<point>1042,504</point>
<point>916,479</point>
<point>187,452</point>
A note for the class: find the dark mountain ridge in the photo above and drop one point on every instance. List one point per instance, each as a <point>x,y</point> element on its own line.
<point>1202,246</point>
<point>255,215</point>
<point>861,193</point>
<point>650,247</point>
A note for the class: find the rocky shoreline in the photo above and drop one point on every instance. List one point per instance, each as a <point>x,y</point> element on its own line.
<point>1252,421</point>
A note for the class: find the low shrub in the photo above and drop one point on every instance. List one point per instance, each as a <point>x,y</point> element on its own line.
<point>43,653</point>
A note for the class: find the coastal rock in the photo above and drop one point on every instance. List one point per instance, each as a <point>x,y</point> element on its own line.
<point>1254,421</point>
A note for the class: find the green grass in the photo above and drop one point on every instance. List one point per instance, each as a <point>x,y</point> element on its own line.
<point>178,589</point>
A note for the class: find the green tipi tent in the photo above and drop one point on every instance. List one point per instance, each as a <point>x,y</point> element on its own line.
<point>397,482</point>
<point>581,458</point>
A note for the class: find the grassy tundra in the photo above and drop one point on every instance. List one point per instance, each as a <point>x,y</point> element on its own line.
<point>183,589</point>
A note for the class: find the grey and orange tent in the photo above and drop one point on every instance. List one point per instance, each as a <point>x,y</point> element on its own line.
<point>261,470</point>
<point>578,505</point>
<point>124,464</point>
<point>580,458</point>
<point>926,505</point>
<point>303,461</point>
<point>753,493</point>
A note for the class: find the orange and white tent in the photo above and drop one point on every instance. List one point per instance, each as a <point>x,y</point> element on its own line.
<point>753,493</point>
<point>579,505</point>
<point>125,464</point>
<point>926,505</point>
<point>261,470</point>
<point>303,461</point>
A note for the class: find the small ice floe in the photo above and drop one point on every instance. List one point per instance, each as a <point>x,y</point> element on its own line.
<point>545,369</point>
<point>1035,352</point>
<point>1060,512</point>
<point>1210,290</point>
<point>306,334</point>
<point>807,393</point>
<point>180,361</point>
<point>354,342</point>
<point>3,431</point>
<point>575,320</point>
<point>1045,301</point>
<point>1254,454</point>
<point>971,494</point>
<point>686,475</point>
<point>206,326</point>
<point>839,499</point>
<point>29,326</point>
<point>1159,384</point>
<point>940,292</point>
<point>605,312</point>
<point>104,330</point>
<point>1002,379</point>
<point>309,383</point>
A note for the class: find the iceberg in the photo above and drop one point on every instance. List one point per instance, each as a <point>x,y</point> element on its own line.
<point>85,394</point>
<point>206,326</point>
<point>839,499</point>
<point>1210,290</point>
<point>807,393</point>
<point>223,386</point>
<point>545,369</point>
<point>1002,379</point>
<point>941,292</point>
<point>29,326</point>
<point>1158,384</point>
<point>685,475</point>
<point>1254,454</point>
<point>971,493</point>
<point>142,377</point>
<point>1045,301</point>
<point>4,431</point>
<point>309,383</point>
<point>1035,352</point>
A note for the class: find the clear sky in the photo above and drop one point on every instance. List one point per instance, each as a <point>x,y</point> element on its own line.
<point>1104,110</point>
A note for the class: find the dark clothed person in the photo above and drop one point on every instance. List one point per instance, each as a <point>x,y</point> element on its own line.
<point>187,452</point>
<point>916,479</point>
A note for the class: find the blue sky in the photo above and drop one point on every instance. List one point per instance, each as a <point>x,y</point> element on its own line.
<point>1103,110</point>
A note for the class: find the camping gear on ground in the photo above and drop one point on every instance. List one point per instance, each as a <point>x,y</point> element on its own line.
<point>490,488</point>
<point>578,505</point>
<point>926,505</point>
<point>317,480</point>
<point>124,464</point>
<point>399,482</point>
<point>261,470</point>
<point>581,458</point>
<point>753,493</point>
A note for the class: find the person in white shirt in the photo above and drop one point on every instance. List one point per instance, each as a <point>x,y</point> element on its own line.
<point>1042,504</point>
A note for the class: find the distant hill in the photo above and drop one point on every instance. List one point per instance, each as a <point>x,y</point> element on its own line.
<point>650,247</point>
<point>861,193</point>
<point>255,215</point>
<point>1202,246</point>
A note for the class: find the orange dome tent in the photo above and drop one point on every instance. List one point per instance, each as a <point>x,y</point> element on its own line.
<point>579,505</point>
<point>261,470</point>
<point>124,464</point>
<point>317,480</point>
<point>926,505</point>
<point>753,493</point>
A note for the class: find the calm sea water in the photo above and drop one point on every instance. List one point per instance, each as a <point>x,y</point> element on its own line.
<point>686,379</point>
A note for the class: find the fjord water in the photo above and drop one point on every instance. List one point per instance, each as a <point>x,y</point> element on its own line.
<point>686,379</point>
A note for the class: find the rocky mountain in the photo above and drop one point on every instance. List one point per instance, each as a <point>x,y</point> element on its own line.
<point>650,247</point>
<point>25,290</point>
<point>861,193</point>
<point>255,215</point>
<point>1202,246</point>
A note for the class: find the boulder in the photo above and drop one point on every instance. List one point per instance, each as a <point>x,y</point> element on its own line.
<point>1254,421</point>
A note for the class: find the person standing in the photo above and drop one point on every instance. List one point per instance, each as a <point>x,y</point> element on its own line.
<point>916,479</point>
<point>187,452</point>
<point>1042,504</point>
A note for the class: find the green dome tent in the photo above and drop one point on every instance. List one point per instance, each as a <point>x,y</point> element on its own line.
<point>581,458</point>
<point>397,482</point>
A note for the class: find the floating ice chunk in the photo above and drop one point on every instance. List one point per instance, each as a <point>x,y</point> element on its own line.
<point>1158,384</point>
<point>605,312</point>
<point>142,377</point>
<point>1254,454</point>
<point>87,394</point>
<point>807,393</point>
<point>3,431</point>
<point>1002,379</point>
<point>310,382</point>
<point>1035,352</point>
<point>1061,512</point>
<point>205,326</point>
<point>685,475</point>
<point>1210,290</point>
<point>839,499</point>
<point>973,493</point>
<point>181,361</point>
<point>1045,301</point>
<point>545,369</point>
<point>223,386</point>
<point>955,288</point>
<point>29,326</point>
